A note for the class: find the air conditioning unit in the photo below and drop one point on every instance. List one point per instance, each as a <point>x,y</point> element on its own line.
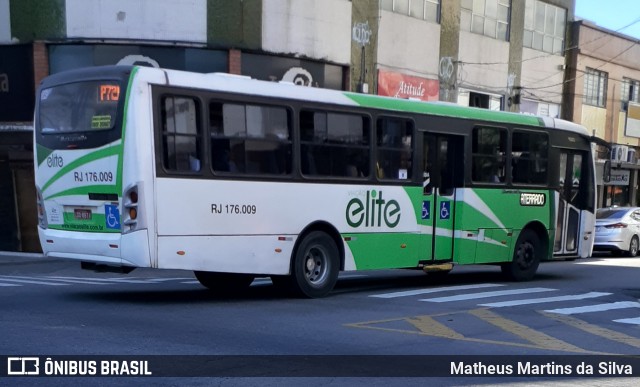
<point>619,153</point>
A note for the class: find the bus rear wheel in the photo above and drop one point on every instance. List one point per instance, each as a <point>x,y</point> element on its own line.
<point>315,266</point>
<point>223,281</point>
<point>526,257</point>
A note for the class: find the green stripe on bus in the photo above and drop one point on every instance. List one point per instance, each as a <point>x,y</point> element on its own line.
<point>85,190</point>
<point>42,153</point>
<point>124,128</point>
<point>102,153</point>
<point>448,110</point>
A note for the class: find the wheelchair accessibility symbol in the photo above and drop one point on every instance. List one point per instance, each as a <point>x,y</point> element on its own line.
<point>445,210</point>
<point>426,205</point>
<point>112,216</point>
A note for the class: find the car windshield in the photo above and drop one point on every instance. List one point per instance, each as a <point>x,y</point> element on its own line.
<point>611,213</point>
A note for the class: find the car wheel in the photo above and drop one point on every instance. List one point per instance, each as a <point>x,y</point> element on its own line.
<point>633,246</point>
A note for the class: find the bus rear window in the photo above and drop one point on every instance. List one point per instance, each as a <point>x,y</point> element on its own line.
<point>79,107</point>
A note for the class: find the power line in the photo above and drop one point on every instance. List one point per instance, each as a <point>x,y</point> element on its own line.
<point>637,20</point>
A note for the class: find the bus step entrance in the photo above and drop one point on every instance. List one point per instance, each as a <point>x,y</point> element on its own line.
<point>437,267</point>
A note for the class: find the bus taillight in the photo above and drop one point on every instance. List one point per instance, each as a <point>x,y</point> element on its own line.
<point>131,209</point>
<point>42,216</point>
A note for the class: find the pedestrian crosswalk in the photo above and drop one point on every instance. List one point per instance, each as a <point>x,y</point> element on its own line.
<point>488,295</point>
<point>473,292</point>
<point>53,280</point>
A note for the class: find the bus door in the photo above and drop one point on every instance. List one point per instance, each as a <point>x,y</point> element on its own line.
<point>443,172</point>
<point>573,198</point>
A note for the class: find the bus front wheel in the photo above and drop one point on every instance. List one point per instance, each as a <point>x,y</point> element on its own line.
<point>223,281</point>
<point>315,266</point>
<point>526,257</point>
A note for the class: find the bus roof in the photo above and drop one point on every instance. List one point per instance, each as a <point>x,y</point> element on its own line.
<point>245,85</point>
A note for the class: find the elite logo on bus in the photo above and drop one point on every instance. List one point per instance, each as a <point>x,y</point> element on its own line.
<point>532,199</point>
<point>373,211</point>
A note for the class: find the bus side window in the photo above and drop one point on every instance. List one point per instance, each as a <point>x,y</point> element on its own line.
<point>530,157</point>
<point>250,139</point>
<point>489,147</point>
<point>334,144</point>
<point>181,135</point>
<point>394,156</point>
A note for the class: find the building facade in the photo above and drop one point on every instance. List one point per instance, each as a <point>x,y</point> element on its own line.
<point>602,94</point>
<point>494,54</point>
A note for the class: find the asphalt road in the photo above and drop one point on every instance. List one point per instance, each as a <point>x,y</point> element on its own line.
<point>584,308</point>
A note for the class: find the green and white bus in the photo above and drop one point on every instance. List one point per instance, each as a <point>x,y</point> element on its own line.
<point>235,178</point>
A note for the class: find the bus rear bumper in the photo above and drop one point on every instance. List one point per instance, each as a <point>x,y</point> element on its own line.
<point>109,249</point>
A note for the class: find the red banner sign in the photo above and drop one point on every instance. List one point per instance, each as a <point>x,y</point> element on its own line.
<point>407,86</point>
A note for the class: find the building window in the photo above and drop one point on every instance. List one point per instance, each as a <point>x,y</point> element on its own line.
<point>630,89</point>
<point>486,17</point>
<point>181,134</point>
<point>544,27</point>
<point>428,10</point>
<point>595,88</point>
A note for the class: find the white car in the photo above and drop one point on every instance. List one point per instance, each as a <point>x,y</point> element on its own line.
<point>618,230</point>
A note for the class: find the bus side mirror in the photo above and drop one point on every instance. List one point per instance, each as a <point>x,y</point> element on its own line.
<point>606,172</point>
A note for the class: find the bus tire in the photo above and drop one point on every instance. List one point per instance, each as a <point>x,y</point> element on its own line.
<point>223,281</point>
<point>315,266</point>
<point>526,257</point>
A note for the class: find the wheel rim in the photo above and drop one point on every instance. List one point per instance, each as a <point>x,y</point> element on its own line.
<point>316,266</point>
<point>526,255</point>
<point>634,246</point>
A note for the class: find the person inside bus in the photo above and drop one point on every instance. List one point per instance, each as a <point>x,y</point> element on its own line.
<point>194,163</point>
<point>495,178</point>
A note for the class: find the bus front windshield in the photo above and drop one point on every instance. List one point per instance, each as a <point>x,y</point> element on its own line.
<point>79,107</point>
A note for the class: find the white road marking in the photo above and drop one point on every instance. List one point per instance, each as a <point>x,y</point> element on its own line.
<point>29,281</point>
<point>546,299</point>
<point>109,280</point>
<point>596,308</point>
<point>635,320</point>
<point>474,296</point>
<point>432,290</point>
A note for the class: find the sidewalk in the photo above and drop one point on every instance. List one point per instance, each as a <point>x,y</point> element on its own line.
<point>16,257</point>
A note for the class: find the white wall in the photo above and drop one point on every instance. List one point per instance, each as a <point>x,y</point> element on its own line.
<point>319,29</point>
<point>5,22</point>
<point>484,63</point>
<point>542,75</point>
<point>409,45</point>
<point>168,20</point>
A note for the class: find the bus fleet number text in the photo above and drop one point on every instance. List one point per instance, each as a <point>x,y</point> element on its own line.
<point>93,177</point>
<point>237,209</point>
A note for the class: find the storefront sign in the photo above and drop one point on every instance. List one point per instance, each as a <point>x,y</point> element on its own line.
<point>619,177</point>
<point>298,71</point>
<point>407,86</point>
